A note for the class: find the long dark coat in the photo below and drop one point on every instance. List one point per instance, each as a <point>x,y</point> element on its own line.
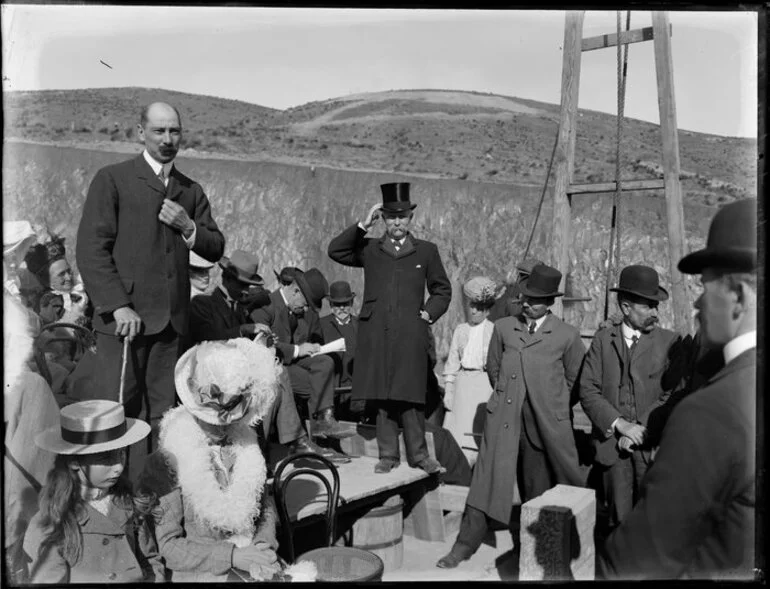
<point>126,256</point>
<point>696,516</point>
<point>601,376</point>
<point>545,366</point>
<point>392,349</point>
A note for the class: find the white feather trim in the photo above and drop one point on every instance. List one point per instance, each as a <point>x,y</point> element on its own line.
<point>232,510</point>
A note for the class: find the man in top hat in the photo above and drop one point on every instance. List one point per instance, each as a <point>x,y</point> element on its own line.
<point>528,444</point>
<point>222,315</point>
<point>696,514</point>
<point>141,219</point>
<point>509,304</point>
<point>622,384</point>
<point>392,360</point>
<point>199,270</point>
<point>341,323</point>
<point>293,316</point>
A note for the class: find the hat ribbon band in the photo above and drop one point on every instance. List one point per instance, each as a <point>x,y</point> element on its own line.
<point>94,437</point>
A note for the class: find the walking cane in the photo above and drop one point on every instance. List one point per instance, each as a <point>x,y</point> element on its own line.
<point>123,370</point>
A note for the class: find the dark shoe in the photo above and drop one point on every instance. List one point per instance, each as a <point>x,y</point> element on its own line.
<point>304,444</point>
<point>430,465</point>
<point>451,560</point>
<point>385,465</point>
<point>325,426</point>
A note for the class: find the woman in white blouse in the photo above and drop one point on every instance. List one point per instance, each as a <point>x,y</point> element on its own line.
<point>466,384</point>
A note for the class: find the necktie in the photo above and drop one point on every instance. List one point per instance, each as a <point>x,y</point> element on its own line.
<point>162,177</point>
<point>532,327</point>
<point>634,341</point>
<point>292,322</point>
<point>396,245</point>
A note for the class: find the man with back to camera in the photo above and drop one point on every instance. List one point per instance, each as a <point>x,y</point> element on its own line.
<point>141,219</point>
<point>394,323</point>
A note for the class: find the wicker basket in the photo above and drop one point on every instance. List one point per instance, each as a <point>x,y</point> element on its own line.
<point>342,563</point>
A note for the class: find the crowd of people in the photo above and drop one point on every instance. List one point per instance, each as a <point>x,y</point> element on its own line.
<point>143,401</point>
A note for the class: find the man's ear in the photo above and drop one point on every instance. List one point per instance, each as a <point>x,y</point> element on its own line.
<point>745,297</point>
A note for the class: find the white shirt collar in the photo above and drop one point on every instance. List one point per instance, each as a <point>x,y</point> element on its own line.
<point>283,296</point>
<point>341,323</point>
<point>156,165</point>
<point>736,346</point>
<point>538,322</point>
<point>629,333</point>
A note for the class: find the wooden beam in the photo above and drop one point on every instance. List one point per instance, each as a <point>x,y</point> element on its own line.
<point>664,68</point>
<point>565,146</point>
<point>611,40</point>
<point>626,185</point>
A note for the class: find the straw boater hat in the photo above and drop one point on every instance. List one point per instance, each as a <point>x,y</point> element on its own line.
<point>340,292</point>
<point>197,261</point>
<point>90,427</point>
<point>543,282</point>
<point>480,289</point>
<point>641,281</point>
<point>313,285</point>
<point>395,197</point>
<point>731,243</point>
<point>221,382</point>
<point>243,266</point>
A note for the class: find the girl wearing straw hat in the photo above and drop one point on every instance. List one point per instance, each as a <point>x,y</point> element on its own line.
<point>91,528</point>
<point>466,383</point>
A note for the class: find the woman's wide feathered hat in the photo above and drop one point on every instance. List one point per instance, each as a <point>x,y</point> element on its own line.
<point>221,382</point>
<point>480,290</point>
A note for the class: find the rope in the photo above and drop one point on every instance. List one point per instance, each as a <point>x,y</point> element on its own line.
<point>613,257</point>
<point>542,196</point>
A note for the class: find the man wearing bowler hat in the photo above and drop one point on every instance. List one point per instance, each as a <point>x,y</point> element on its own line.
<point>394,323</point>
<point>621,384</point>
<point>510,303</point>
<point>293,316</point>
<point>341,323</point>
<point>528,445</point>
<point>696,515</point>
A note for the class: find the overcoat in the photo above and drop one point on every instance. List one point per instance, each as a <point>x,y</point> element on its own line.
<point>113,551</point>
<point>211,318</point>
<point>393,340</point>
<point>126,256</point>
<point>696,514</point>
<point>343,361</point>
<point>601,377</point>
<point>545,366</point>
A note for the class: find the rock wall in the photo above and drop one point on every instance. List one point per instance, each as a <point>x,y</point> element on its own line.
<point>287,214</point>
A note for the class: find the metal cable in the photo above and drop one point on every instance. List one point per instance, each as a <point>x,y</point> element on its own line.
<point>542,196</point>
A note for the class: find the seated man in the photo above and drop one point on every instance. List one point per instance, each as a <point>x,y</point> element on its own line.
<point>199,270</point>
<point>221,316</point>
<point>50,307</point>
<point>341,323</point>
<point>293,317</point>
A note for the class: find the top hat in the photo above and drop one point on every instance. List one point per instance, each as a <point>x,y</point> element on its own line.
<point>542,282</point>
<point>221,382</point>
<point>243,266</point>
<point>641,281</point>
<point>313,285</point>
<point>395,197</point>
<point>526,266</point>
<point>90,427</point>
<point>339,292</point>
<point>731,243</point>
<point>286,275</point>
<point>197,261</point>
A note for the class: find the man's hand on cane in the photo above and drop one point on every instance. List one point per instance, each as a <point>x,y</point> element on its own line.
<point>127,322</point>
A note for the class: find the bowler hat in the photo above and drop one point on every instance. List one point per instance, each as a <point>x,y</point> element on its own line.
<point>542,282</point>
<point>197,261</point>
<point>339,292</point>
<point>90,427</point>
<point>395,197</point>
<point>243,266</point>
<point>731,243</point>
<point>641,281</point>
<point>313,285</point>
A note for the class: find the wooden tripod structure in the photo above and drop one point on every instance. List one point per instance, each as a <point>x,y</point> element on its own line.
<point>564,189</point>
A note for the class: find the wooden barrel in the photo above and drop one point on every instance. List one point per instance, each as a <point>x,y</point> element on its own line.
<point>381,531</point>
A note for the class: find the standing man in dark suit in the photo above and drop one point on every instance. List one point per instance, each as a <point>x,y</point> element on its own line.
<point>528,445</point>
<point>696,515</point>
<point>622,384</point>
<point>140,221</point>
<point>394,323</point>
<point>293,317</point>
<point>222,316</point>
<point>341,323</point>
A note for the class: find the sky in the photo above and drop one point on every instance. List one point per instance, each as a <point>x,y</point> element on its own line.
<point>285,57</point>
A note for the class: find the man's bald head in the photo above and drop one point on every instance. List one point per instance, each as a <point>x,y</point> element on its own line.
<point>161,131</point>
<point>157,106</point>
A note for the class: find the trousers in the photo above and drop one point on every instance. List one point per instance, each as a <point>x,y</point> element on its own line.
<point>313,377</point>
<point>412,419</point>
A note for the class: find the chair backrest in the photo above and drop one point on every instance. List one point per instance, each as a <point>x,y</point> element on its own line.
<point>280,484</point>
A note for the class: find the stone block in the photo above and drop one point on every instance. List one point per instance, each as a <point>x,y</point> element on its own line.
<point>557,535</point>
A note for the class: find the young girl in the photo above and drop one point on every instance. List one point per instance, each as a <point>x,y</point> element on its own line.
<point>466,383</point>
<point>91,528</point>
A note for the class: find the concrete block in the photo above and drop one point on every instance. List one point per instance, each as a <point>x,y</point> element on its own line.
<point>557,535</point>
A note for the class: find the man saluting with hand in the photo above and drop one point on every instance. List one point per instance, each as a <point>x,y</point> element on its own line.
<point>394,323</point>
